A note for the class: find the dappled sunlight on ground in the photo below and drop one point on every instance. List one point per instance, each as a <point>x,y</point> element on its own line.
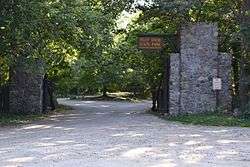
<point>232,141</point>
<point>21,159</point>
<point>37,127</point>
<point>165,163</point>
<point>110,137</point>
<point>138,153</point>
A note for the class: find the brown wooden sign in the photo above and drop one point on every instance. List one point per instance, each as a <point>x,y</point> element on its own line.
<point>151,42</point>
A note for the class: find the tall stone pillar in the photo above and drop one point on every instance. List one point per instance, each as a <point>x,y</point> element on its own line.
<point>199,51</point>
<point>26,82</point>
<point>193,71</point>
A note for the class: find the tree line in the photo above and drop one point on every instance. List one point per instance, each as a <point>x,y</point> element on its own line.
<point>86,52</point>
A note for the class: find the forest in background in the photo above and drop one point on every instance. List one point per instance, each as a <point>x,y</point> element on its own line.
<point>86,52</point>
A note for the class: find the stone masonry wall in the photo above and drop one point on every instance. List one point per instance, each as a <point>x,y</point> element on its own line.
<point>193,70</point>
<point>174,81</point>
<point>26,80</point>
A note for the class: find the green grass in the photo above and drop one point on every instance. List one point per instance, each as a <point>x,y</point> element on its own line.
<point>211,119</point>
<point>19,119</point>
<point>13,120</point>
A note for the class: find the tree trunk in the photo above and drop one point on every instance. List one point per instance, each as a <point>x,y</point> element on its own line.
<point>236,49</point>
<point>244,62</point>
<point>51,97</point>
<point>49,100</point>
<point>159,90</point>
<point>154,99</point>
<point>104,91</point>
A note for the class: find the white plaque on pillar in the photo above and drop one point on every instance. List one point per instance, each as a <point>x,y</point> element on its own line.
<point>217,84</point>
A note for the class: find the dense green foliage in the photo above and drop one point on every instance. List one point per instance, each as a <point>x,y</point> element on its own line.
<point>86,52</point>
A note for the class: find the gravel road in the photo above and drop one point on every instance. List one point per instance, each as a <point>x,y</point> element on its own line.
<point>120,134</point>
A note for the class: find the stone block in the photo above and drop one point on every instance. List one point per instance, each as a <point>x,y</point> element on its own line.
<point>174,87</point>
<point>26,82</point>
<point>192,72</point>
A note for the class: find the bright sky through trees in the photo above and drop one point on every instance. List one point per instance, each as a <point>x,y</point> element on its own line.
<point>127,17</point>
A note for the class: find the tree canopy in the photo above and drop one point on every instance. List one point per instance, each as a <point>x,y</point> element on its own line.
<point>86,52</point>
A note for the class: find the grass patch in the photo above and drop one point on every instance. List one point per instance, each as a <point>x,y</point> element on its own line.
<point>209,119</point>
<point>214,119</point>
<point>14,120</point>
<point>20,119</point>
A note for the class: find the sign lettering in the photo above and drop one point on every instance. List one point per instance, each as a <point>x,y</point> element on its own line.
<point>150,42</point>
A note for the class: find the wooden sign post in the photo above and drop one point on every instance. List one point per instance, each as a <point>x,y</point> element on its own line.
<point>150,42</point>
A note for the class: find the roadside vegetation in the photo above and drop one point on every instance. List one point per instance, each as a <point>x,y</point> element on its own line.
<point>208,119</point>
<point>213,119</point>
<point>89,47</point>
<point>21,119</point>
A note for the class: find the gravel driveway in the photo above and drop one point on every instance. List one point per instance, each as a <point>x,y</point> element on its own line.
<point>120,134</point>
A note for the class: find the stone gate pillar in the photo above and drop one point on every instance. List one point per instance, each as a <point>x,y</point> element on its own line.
<point>26,81</point>
<point>193,69</point>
